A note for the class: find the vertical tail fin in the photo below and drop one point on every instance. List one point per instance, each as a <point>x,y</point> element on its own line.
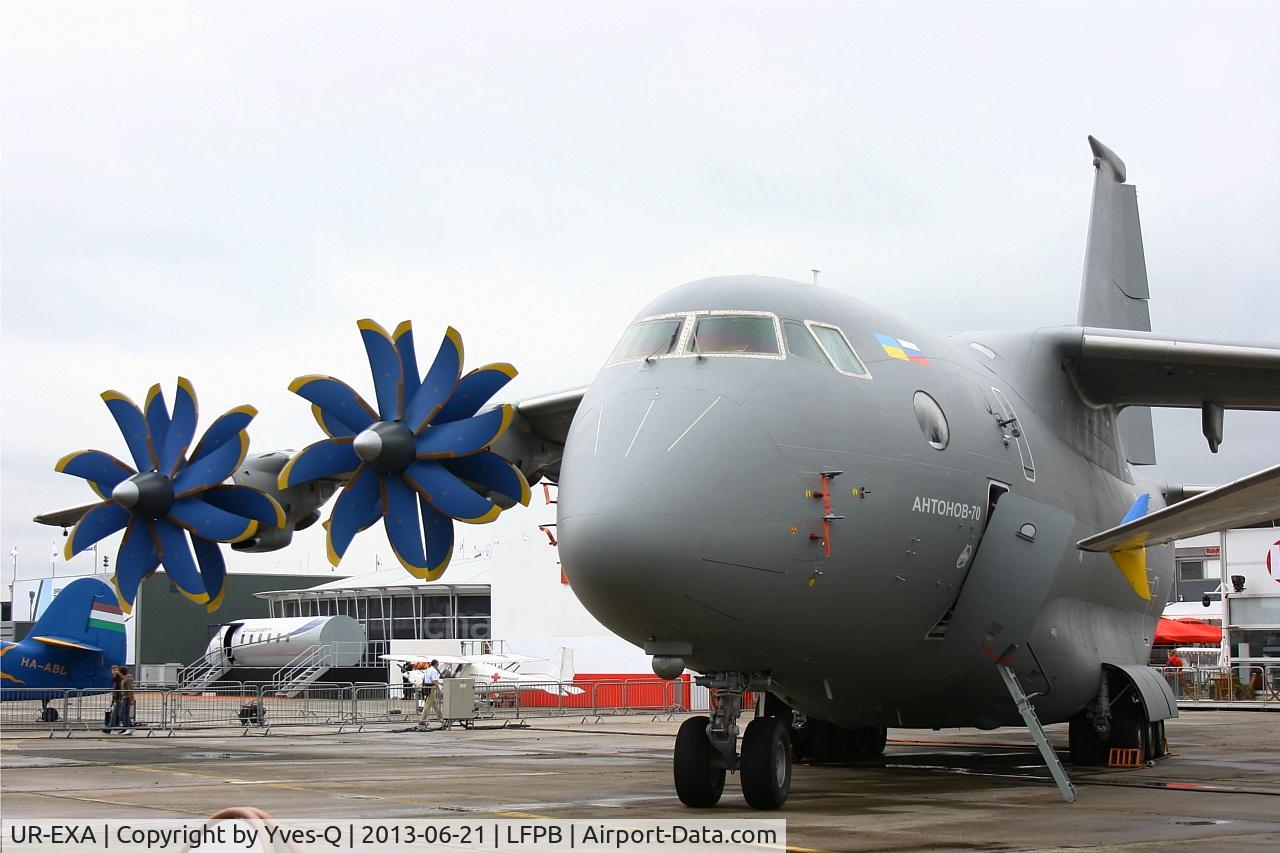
<point>1115,292</point>
<point>86,613</point>
<point>562,664</point>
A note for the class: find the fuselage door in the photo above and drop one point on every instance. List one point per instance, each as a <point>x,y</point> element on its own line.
<point>1010,577</point>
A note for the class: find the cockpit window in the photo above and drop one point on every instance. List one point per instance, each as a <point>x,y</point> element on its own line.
<point>648,338</point>
<point>734,334</point>
<point>837,347</point>
<point>801,344</point>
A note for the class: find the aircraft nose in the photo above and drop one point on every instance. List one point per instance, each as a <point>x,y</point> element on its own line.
<point>665,523</point>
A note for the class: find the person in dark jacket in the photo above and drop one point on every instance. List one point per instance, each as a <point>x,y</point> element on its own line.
<point>122,705</point>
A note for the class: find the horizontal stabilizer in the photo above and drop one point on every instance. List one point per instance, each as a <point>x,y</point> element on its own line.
<point>1127,368</point>
<point>1249,500</point>
<point>67,643</point>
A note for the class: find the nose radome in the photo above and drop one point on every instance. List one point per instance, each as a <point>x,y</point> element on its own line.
<point>664,512</point>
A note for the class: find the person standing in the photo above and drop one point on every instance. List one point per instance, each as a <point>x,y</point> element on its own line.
<point>431,694</point>
<point>113,712</point>
<point>125,705</point>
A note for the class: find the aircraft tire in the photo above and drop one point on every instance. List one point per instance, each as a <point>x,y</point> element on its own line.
<point>823,742</point>
<point>1087,749</point>
<point>1129,728</point>
<point>864,742</point>
<point>1157,746</point>
<point>857,744</point>
<point>699,784</point>
<point>879,737</point>
<point>766,763</point>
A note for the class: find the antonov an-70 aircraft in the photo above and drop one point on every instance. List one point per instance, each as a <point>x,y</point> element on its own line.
<point>765,476</point>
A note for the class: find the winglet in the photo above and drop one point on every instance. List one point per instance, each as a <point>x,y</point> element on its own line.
<point>1106,155</point>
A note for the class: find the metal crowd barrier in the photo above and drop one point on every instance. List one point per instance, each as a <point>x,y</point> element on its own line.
<point>260,708</point>
<point>1245,684</point>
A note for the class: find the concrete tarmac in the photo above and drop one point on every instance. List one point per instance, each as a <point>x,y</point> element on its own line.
<point>954,789</point>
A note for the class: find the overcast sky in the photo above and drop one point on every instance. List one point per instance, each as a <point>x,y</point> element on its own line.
<point>220,190</point>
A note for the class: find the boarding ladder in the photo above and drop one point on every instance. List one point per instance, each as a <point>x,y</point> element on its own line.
<point>204,672</point>
<point>303,670</point>
<point>1065,788</point>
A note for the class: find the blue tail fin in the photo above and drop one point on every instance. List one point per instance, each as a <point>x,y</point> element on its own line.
<point>85,615</point>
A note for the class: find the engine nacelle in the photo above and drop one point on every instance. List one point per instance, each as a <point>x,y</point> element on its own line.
<point>301,503</point>
<point>267,539</point>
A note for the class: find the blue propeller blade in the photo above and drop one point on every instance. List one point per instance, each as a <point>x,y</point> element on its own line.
<point>403,337</point>
<point>175,554</point>
<point>328,458</point>
<point>358,506</point>
<point>448,494</point>
<point>226,427</point>
<point>332,427</point>
<point>209,522</point>
<point>439,532</point>
<point>463,438</point>
<point>211,468</point>
<point>157,416</point>
<point>474,390</point>
<point>337,399</point>
<point>135,561</point>
<point>96,524</point>
<point>491,471</point>
<point>133,426</point>
<point>384,363</point>
<point>102,470</point>
<point>438,383</point>
<point>400,518</point>
<point>213,571</point>
<point>247,502</point>
<point>182,428</point>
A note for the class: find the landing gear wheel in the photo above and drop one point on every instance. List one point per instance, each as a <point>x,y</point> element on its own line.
<point>879,737</point>
<point>698,783</point>
<point>822,742</point>
<point>1129,728</point>
<point>1157,746</point>
<point>766,763</point>
<point>864,742</point>
<point>1087,749</point>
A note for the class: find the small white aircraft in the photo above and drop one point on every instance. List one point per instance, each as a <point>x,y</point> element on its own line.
<point>503,668</point>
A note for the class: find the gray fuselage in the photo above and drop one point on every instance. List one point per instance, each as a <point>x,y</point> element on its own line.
<point>686,516</point>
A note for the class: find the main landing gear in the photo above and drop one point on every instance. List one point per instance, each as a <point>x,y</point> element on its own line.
<point>707,748</point>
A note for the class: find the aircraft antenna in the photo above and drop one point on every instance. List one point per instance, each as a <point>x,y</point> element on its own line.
<point>815,276</point>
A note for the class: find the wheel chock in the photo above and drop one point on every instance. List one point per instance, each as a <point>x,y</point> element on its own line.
<point>1125,758</point>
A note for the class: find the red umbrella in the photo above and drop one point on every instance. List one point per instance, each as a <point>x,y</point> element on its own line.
<point>1181,632</point>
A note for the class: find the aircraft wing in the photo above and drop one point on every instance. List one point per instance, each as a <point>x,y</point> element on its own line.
<point>535,441</point>
<point>1245,501</point>
<point>549,416</point>
<point>1127,368</point>
<point>448,660</point>
<point>64,517</point>
<point>499,659</point>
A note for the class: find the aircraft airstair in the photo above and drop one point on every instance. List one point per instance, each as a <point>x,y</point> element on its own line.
<point>1023,701</point>
<point>305,669</point>
<point>204,672</point>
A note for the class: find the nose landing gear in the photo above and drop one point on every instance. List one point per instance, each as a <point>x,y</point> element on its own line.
<point>706,748</point>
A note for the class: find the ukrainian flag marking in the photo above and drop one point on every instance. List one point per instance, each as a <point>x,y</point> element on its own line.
<point>901,349</point>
